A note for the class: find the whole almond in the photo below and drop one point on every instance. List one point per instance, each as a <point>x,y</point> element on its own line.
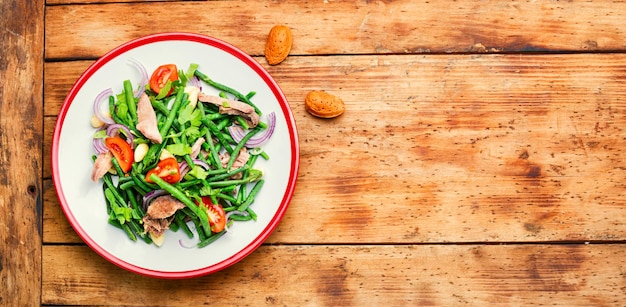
<point>324,105</point>
<point>278,44</point>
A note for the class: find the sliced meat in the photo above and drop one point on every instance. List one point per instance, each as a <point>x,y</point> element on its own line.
<point>196,147</point>
<point>232,107</point>
<point>103,163</point>
<point>146,120</point>
<point>240,161</point>
<point>160,214</point>
<point>156,228</point>
<point>164,206</point>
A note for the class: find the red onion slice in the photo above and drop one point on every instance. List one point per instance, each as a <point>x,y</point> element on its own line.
<point>184,168</point>
<point>99,146</point>
<point>144,76</point>
<point>201,163</point>
<point>238,133</point>
<point>194,81</point>
<point>101,98</point>
<point>151,196</point>
<point>114,129</point>
<point>98,143</point>
<point>183,245</point>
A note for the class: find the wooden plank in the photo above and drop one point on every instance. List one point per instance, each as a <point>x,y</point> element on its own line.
<point>48,129</point>
<point>21,114</point>
<point>364,27</point>
<point>56,227</point>
<point>426,275</point>
<point>462,148</point>
<point>56,2</point>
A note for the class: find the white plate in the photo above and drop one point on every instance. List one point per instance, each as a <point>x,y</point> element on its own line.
<point>82,200</point>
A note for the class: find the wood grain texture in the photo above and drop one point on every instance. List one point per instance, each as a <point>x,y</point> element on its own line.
<point>426,275</point>
<point>65,2</point>
<point>480,153</point>
<point>21,114</point>
<point>349,27</point>
<point>459,148</point>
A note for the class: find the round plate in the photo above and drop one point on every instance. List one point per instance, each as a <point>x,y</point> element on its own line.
<point>82,200</point>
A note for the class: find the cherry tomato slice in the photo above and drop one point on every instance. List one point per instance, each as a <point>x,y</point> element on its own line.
<point>161,75</point>
<point>122,152</point>
<point>217,216</point>
<point>166,169</point>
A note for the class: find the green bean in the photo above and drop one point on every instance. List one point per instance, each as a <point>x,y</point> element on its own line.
<point>227,89</point>
<point>127,185</point>
<point>181,223</point>
<point>130,101</point>
<point>252,213</point>
<point>230,208</point>
<point>211,239</point>
<point>229,174</point>
<point>180,96</point>
<point>200,107</point>
<point>242,122</point>
<point>227,197</point>
<point>124,179</point>
<point>136,228</point>
<point>228,183</point>
<point>196,221</point>
<point>107,203</point>
<point>223,123</point>
<point>240,218</point>
<point>147,239</point>
<point>213,154</point>
<point>113,113</point>
<point>116,166</point>
<point>252,160</point>
<point>189,161</point>
<point>241,193</point>
<point>213,198</point>
<point>188,183</point>
<point>159,106</point>
<point>250,198</point>
<point>239,146</point>
<point>124,227</point>
<point>134,204</point>
<point>109,183</point>
<point>141,185</point>
<point>152,156</point>
<point>214,116</point>
<point>218,134</point>
<point>110,197</point>
<point>174,226</point>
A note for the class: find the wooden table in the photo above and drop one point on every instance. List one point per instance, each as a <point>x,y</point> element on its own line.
<point>480,159</point>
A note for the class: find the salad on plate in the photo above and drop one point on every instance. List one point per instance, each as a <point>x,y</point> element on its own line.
<point>172,157</point>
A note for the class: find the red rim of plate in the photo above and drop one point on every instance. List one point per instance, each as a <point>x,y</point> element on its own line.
<point>243,57</point>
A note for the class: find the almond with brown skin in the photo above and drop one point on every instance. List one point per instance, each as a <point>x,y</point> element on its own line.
<point>278,44</point>
<point>324,105</point>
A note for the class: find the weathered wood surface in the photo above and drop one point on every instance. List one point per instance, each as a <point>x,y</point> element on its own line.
<point>463,148</point>
<point>479,137</point>
<point>303,275</point>
<point>21,141</point>
<point>348,27</point>
<point>65,2</point>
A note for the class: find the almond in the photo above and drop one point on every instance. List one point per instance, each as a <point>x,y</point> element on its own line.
<point>278,44</point>
<point>324,105</point>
